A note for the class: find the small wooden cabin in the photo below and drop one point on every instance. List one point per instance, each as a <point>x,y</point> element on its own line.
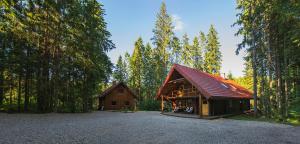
<point>117,97</point>
<point>209,95</point>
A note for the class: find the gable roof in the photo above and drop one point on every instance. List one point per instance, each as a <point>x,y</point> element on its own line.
<point>210,86</point>
<point>110,89</point>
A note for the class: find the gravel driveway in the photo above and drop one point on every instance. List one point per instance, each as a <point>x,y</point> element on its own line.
<point>139,127</point>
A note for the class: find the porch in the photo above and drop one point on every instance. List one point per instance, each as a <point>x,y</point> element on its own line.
<point>183,96</point>
<point>184,115</point>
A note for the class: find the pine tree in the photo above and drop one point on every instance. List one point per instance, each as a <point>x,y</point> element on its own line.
<point>203,44</point>
<point>186,51</point>
<point>127,64</point>
<point>120,71</point>
<point>197,54</point>
<point>212,57</point>
<point>136,65</point>
<point>176,51</point>
<point>163,33</point>
<point>148,73</point>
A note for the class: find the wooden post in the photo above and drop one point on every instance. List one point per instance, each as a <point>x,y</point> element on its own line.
<point>162,103</point>
<point>200,105</point>
<point>99,103</point>
<point>134,107</point>
<point>208,105</point>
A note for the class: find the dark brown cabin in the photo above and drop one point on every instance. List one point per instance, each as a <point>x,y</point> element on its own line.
<point>117,97</point>
<point>209,95</point>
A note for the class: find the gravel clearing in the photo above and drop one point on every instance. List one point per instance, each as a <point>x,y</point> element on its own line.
<point>138,128</point>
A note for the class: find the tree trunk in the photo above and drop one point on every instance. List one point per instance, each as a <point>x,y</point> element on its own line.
<point>286,83</point>
<point>39,90</point>
<point>278,74</point>
<point>19,91</point>
<point>263,100</point>
<point>26,82</point>
<point>1,87</point>
<point>26,94</point>
<point>254,80</point>
<point>10,94</point>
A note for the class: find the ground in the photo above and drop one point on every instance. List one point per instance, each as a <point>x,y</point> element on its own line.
<point>139,127</point>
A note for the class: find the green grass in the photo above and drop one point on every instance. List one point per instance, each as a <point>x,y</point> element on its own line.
<point>290,121</point>
<point>252,118</point>
<point>293,116</point>
<point>294,113</point>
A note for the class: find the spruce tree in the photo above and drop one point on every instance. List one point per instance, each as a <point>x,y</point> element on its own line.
<point>176,51</point>
<point>203,44</point>
<point>186,51</point>
<point>163,33</point>
<point>197,54</point>
<point>136,66</point>
<point>148,73</point>
<point>127,64</point>
<point>119,73</point>
<point>212,56</point>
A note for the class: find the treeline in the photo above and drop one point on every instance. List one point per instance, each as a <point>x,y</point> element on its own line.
<point>52,54</point>
<point>146,68</point>
<point>271,36</point>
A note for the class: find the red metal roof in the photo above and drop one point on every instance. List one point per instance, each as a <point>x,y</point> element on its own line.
<point>210,86</point>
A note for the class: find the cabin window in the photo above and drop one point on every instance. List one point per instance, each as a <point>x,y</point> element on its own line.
<point>127,103</point>
<point>113,102</point>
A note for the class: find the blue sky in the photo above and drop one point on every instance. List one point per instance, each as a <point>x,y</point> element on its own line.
<point>129,19</point>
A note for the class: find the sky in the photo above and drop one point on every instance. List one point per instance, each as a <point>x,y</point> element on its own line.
<point>129,19</point>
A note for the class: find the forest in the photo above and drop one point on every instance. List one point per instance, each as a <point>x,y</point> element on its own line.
<point>271,37</point>
<point>54,56</point>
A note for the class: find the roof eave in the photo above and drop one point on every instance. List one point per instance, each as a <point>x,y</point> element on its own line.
<point>228,97</point>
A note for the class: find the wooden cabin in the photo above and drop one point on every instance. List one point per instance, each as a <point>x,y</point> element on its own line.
<point>117,97</point>
<point>209,95</point>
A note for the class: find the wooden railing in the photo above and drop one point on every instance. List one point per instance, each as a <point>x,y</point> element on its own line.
<point>184,93</point>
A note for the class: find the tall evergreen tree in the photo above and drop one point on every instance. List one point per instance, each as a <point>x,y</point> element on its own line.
<point>119,73</point>
<point>163,33</point>
<point>203,44</point>
<point>212,57</point>
<point>137,65</point>
<point>186,51</point>
<point>127,64</point>
<point>148,73</point>
<point>196,53</point>
<point>176,51</point>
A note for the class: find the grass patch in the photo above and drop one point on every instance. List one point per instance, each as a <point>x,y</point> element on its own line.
<point>294,113</point>
<point>252,118</point>
<point>290,121</point>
